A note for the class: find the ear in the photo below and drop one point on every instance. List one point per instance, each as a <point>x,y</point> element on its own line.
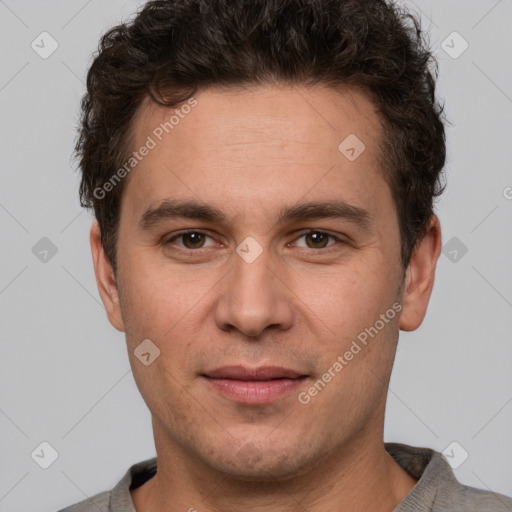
<point>105,279</point>
<point>419,278</point>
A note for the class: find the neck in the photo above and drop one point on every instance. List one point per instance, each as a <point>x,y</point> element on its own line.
<point>361,477</point>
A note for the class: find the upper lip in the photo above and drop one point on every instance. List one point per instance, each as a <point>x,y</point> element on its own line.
<point>261,373</point>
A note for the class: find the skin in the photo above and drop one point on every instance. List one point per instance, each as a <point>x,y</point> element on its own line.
<point>299,305</point>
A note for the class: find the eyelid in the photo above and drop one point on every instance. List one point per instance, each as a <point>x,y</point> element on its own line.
<point>175,236</point>
<point>314,230</point>
<point>302,233</point>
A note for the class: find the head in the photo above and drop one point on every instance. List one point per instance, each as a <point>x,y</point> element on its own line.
<point>300,145</point>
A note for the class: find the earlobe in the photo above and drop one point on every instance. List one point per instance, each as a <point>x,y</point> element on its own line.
<point>419,279</point>
<point>105,279</point>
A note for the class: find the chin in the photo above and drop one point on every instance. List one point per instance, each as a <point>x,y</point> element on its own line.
<point>261,464</point>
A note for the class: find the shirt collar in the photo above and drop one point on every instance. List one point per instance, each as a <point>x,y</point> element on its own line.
<point>424,464</point>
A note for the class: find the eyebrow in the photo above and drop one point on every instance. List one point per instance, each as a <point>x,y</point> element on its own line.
<point>337,209</point>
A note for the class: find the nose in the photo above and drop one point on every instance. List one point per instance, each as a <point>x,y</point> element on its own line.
<point>254,297</point>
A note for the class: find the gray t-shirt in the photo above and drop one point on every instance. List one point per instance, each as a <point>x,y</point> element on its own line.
<point>437,489</point>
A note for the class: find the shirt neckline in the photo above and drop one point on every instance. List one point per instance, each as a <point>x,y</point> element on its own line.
<point>424,464</point>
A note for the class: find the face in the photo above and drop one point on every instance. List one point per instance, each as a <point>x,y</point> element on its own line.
<point>248,239</point>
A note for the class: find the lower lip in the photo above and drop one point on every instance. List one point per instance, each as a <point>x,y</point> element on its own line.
<point>255,392</point>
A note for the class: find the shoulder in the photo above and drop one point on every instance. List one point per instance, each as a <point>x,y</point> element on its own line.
<point>470,499</point>
<point>119,498</point>
<point>437,489</point>
<point>98,503</point>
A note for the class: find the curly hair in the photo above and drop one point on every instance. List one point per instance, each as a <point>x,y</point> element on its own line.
<point>173,48</point>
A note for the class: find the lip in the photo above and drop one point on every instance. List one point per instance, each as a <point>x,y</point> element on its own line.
<point>254,386</point>
<point>262,373</point>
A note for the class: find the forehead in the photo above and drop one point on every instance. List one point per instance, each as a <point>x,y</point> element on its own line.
<point>270,144</point>
<point>234,114</point>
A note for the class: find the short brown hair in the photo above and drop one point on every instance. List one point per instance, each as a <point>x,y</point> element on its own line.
<point>173,48</point>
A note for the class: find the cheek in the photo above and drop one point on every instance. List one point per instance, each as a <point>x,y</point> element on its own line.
<point>153,300</point>
<point>165,392</point>
<point>347,298</point>
<point>167,310</point>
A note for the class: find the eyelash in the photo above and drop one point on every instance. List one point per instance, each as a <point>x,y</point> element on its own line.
<point>304,233</point>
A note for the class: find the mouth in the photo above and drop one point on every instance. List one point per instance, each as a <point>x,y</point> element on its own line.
<point>257,386</point>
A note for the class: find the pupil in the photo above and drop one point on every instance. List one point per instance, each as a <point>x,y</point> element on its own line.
<point>318,238</point>
<point>194,238</point>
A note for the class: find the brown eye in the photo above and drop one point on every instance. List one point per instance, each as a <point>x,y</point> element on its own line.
<point>188,240</point>
<point>318,239</point>
<point>193,240</point>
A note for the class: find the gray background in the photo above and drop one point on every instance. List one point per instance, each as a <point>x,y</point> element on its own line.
<point>64,371</point>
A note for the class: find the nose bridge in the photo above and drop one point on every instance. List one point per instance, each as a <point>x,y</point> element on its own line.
<point>253,298</point>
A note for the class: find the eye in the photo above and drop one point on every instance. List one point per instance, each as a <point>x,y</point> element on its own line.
<point>317,239</point>
<point>195,240</point>
<point>190,239</point>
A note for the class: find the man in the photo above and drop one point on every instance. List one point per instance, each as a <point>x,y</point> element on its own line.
<point>263,175</point>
